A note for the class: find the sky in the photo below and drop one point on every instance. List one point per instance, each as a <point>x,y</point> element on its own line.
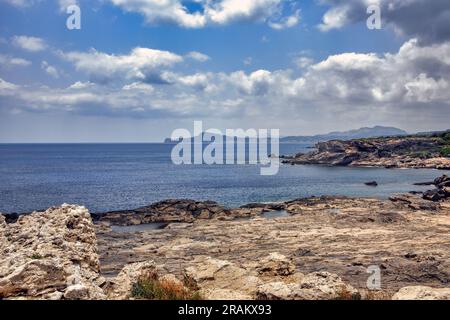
<point>139,69</point>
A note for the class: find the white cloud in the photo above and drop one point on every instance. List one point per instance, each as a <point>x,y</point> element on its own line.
<point>141,64</point>
<point>32,44</point>
<point>286,22</point>
<point>199,81</point>
<point>198,56</point>
<point>49,69</point>
<point>19,3</point>
<point>335,18</point>
<point>6,86</point>
<point>64,4</point>
<point>156,11</point>
<point>348,88</point>
<point>428,21</point>
<point>81,85</point>
<point>303,61</point>
<point>218,12</point>
<point>9,61</point>
<point>226,11</point>
<point>426,90</point>
<point>139,86</point>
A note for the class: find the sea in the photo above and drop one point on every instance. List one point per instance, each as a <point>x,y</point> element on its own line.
<point>105,177</point>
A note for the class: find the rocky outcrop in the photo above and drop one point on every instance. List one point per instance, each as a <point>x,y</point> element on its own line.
<point>274,279</point>
<point>407,237</point>
<point>401,152</point>
<point>276,265</point>
<point>121,287</point>
<point>165,211</point>
<point>415,203</point>
<point>422,293</point>
<point>182,211</point>
<point>321,250</point>
<point>442,190</point>
<point>214,277</point>
<point>50,255</point>
<point>314,286</point>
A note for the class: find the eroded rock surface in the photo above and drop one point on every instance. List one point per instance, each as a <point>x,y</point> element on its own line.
<point>314,286</point>
<point>408,240</point>
<point>214,277</point>
<point>422,293</point>
<point>321,250</point>
<point>50,255</point>
<point>165,211</point>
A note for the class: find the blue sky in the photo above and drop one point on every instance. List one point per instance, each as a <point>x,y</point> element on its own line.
<point>322,71</point>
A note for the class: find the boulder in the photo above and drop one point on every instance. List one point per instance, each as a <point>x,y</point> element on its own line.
<point>433,195</point>
<point>313,286</point>
<point>276,291</point>
<point>443,181</point>
<point>209,275</point>
<point>121,287</point>
<point>276,265</point>
<point>415,202</point>
<point>422,293</point>
<point>50,255</point>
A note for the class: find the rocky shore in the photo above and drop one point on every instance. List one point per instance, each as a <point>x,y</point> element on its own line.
<point>319,248</point>
<point>431,152</point>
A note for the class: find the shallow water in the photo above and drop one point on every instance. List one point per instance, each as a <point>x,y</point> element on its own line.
<point>276,214</point>
<point>106,177</point>
<point>139,228</point>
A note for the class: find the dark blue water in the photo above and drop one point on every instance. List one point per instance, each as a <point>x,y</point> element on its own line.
<point>123,176</point>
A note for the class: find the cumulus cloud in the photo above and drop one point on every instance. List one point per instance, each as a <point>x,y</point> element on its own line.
<point>218,12</point>
<point>303,61</point>
<point>428,21</point>
<point>141,64</point>
<point>33,44</point>
<point>155,11</point>
<point>412,84</point>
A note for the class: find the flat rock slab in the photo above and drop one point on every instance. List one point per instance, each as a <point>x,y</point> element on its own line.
<point>342,236</point>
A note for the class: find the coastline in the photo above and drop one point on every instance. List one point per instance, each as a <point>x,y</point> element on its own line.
<point>408,152</point>
<point>324,243</point>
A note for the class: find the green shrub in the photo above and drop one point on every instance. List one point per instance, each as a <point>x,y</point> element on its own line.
<point>447,137</point>
<point>151,288</point>
<point>344,294</point>
<point>36,256</point>
<point>422,155</point>
<point>445,151</point>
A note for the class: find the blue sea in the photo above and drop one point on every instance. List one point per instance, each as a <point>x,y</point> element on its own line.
<point>106,177</point>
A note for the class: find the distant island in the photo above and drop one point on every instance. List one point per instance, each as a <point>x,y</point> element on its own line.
<point>377,131</point>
